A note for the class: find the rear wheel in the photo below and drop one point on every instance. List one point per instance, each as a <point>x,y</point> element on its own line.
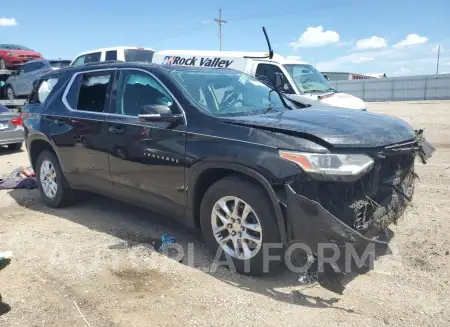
<point>10,95</point>
<point>238,219</point>
<point>15,146</point>
<point>51,182</point>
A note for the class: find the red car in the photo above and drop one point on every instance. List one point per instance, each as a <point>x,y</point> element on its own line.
<point>13,56</point>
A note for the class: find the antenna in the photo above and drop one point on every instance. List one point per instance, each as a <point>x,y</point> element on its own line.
<point>270,56</point>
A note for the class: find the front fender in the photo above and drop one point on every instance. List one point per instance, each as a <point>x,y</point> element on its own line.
<point>198,169</point>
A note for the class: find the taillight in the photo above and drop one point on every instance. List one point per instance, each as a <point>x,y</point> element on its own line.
<point>17,121</point>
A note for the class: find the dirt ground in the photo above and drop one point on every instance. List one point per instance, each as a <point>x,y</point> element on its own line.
<point>72,267</point>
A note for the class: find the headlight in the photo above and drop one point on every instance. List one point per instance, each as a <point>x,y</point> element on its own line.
<point>329,163</point>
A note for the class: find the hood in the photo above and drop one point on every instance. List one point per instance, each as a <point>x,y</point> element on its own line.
<point>337,127</point>
<point>338,100</point>
<point>343,100</point>
<point>24,52</point>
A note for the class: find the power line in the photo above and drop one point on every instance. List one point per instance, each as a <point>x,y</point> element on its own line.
<point>220,22</point>
<point>287,11</point>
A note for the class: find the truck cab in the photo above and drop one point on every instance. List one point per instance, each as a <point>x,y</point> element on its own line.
<point>301,81</point>
<point>126,54</point>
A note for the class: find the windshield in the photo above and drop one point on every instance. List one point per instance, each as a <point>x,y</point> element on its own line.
<point>13,47</point>
<point>138,55</point>
<point>308,79</point>
<point>59,63</point>
<point>225,93</point>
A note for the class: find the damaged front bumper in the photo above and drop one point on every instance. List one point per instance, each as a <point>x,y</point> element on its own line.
<point>338,248</point>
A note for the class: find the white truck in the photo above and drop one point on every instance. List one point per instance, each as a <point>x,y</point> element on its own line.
<point>301,81</point>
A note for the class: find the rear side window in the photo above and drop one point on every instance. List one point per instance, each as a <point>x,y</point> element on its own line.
<point>85,59</point>
<point>89,91</point>
<point>111,55</point>
<point>32,66</point>
<point>28,67</point>
<point>42,90</point>
<point>138,55</point>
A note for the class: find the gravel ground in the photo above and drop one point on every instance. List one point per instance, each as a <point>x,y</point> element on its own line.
<point>86,264</point>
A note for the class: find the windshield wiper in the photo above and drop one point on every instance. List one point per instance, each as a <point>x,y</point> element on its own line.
<point>319,91</point>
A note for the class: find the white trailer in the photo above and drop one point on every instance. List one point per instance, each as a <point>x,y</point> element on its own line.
<point>302,82</point>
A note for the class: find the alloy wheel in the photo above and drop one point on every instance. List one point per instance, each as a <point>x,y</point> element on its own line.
<point>236,227</point>
<point>48,179</point>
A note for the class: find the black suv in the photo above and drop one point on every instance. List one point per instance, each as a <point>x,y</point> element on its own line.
<point>219,150</point>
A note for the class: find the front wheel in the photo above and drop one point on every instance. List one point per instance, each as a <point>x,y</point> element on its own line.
<point>51,182</point>
<point>237,219</point>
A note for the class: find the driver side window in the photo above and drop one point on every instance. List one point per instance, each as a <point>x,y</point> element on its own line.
<point>20,71</point>
<point>137,89</point>
<point>266,74</point>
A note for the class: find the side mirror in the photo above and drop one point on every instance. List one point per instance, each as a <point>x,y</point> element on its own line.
<point>279,81</point>
<point>158,112</point>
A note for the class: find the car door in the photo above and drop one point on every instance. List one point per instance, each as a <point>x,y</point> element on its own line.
<point>266,74</point>
<point>15,80</point>
<point>36,70</point>
<point>29,69</point>
<point>80,132</point>
<point>146,158</point>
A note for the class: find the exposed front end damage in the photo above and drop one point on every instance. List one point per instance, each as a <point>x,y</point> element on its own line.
<point>348,221</point>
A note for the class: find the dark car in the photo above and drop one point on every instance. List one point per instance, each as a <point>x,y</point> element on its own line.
<point>219,150</point>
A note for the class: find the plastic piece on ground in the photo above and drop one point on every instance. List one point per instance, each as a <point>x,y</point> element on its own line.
<point>166,240</point>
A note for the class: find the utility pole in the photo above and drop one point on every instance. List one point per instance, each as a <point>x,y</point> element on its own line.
<point>437,64</point>
<point>220,21</point>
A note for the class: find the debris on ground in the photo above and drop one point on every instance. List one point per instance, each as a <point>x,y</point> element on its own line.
<point>166,240</point>
<point>307,279</point>
<point>19,178</point>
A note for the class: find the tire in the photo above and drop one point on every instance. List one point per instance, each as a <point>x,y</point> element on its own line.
<point>248,193</point>
<point>63,194</point>
<point>10,94</point>
<point>15,146</point>
<point>3,64</point>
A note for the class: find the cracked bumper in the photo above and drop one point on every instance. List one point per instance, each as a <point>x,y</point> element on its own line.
<point>327,236</point>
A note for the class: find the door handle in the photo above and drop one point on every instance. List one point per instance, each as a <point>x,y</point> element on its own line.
<point>116,130</point>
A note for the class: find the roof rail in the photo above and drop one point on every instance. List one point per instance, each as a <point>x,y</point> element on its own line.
<point>103,62</point>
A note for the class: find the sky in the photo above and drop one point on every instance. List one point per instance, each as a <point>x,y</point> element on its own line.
<point>396,37</point>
